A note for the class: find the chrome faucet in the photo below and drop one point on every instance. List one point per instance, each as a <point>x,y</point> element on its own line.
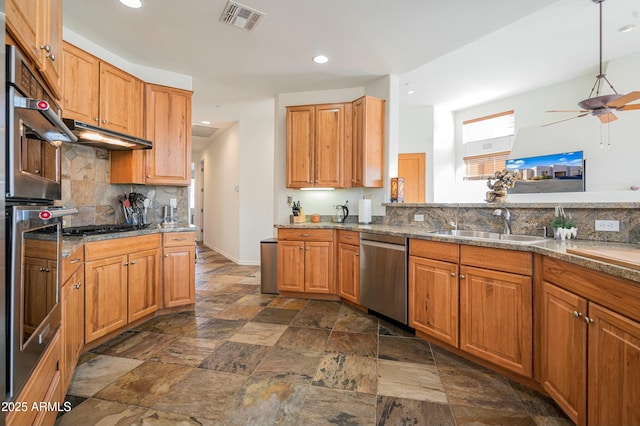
<point>505,214</point>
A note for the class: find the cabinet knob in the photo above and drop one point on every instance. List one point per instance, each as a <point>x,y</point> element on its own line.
<point>462,277</point>
<point>307,248</point>
<point>577,314</point>
<point>96,119</point>
<point>126,263</point>
<point>166,255</point>
<point>77,285</point>
<point>52,57</point>
<point>588,320</point>
<point>104,121</point>
<point>45,47</point>
<point>452,274</point>
<point>148,176</point>
<point>317,181</point>
<point>357,254</point>
<point>133,262</point>
<point>301,247</point>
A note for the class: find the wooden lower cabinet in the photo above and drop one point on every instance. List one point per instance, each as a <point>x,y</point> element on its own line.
<point>433,298</point>
<point>42,389</point>
<point>306,265</point>
<point>72,324</point>
<point>349,272</point>
<point>564,350</point>
<point>122,283</point>
<point>178,269</point>
<point>590,353</point>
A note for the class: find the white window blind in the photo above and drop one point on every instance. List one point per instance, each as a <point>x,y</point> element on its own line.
<point>481,167</point>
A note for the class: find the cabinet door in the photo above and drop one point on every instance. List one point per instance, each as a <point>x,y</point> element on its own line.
<point>80,85</point>
<point>72,324</point>
<point>349,272</point>
<point>367,162</point>
<point>178,275</point>
<point>329,145</point>
<point>51,46</point>
<point>121,101</point>
<point>105,297</point>
<point>290,265</point>
<point>433,298</point>
<point>24,22</point>
<point>144,278</point>
<point>614,368</point>
<point>300,146</point>
<point>318,267</point>
<point>168,125</point>
<point>495,317</point>
<point>564,350</point>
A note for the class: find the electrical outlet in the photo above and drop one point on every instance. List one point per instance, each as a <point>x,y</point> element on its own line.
<point>608,225</point>
<point>173,202</point>
<point>418,218</point>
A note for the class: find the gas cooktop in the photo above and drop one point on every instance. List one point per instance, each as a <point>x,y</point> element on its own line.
<point>80,231</point>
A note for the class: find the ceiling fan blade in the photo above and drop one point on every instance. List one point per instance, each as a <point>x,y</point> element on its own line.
<point>566,119</point>
<point>568,110</point>
<point>607,118</point>
<point>623,100</point>
<point>629,107</point>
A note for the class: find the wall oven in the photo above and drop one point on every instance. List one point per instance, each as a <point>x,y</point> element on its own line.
<point>34,133</point>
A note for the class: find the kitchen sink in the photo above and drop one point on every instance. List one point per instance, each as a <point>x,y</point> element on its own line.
<point>492,236</point>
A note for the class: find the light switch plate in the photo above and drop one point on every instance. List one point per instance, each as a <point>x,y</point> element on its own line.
<point>418,218</point>
<point>608,225</point>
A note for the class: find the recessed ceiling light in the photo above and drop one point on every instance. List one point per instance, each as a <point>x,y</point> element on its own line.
<point>626,28</point>
<point>136,4</point>
<point>205,122</point>
<point>411,92</point>
<point>320,59</point>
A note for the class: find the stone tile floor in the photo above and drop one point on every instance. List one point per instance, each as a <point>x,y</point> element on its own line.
<point>244,358</point>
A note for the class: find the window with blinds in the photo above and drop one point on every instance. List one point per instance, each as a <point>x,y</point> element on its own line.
<point>481,167</point>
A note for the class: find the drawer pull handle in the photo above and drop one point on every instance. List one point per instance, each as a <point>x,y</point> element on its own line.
<point>74,261</point>
<point>178,239</point>
<point>348,237</point>
<point>304,235</point>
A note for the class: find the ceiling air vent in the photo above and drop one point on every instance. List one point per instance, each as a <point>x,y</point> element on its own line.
<point>241,16</point>
<point>202,131</point>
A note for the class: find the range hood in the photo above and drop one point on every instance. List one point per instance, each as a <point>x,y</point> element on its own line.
<point>104,138</point>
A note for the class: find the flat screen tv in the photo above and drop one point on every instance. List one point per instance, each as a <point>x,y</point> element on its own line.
<point>562,172</point>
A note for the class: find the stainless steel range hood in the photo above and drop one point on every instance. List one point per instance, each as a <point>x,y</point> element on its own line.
<point>104,138</point>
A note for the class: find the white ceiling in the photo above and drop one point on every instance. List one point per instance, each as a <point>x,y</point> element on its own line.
<point>454,53</point>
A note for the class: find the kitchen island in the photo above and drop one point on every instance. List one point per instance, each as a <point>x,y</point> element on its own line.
<point>540,313</point>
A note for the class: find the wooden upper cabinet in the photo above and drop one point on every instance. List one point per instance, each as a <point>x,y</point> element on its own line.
<point>300,146</point>
<point>36,26</point>
<point>315,146</point>
<point>100,94</point>
<point>81,84</point>
<point>168,126</point>
<point>365,167</point>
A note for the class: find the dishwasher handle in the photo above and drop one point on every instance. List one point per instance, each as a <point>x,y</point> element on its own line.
<point>398,247</point>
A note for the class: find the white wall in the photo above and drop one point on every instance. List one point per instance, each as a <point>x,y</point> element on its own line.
<point>609,172</point>
<point>416,136</point>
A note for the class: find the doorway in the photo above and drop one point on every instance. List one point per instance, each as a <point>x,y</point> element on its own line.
<point>412,168</point>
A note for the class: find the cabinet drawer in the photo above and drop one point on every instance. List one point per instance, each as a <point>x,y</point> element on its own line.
<point>120,246</point>
<point>349,237</point>
<point>517,262</point>
<point>446,252</point>
<point>306,234</point>
<point>71,263</point>
<point>42,386</point>
<point>174,239</point>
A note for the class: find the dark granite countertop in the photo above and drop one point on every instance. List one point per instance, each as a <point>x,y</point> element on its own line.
<point>70,244</point>
<point>549,247</point>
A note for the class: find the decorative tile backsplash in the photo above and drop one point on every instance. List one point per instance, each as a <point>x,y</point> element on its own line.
<point>528,219</point>
<point>85,186</point>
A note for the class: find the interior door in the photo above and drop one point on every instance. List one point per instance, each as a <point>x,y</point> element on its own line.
<point>412,168</point>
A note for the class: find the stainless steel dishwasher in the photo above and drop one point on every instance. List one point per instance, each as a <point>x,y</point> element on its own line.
<point>383,275</point>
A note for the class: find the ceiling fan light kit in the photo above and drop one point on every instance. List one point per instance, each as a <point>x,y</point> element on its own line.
<point>598,105</point>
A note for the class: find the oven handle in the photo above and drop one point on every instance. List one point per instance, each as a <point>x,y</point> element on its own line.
<point>43,107</point>
<point>62,212</point>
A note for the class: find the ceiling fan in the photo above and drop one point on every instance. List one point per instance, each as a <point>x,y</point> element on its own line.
<point>602,106</point>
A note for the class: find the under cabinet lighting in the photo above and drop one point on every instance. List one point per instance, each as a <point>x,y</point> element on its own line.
<point>135,4</point>
<point>317,189</point>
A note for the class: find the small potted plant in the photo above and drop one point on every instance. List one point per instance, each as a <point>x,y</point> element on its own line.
<point>563,227</point>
